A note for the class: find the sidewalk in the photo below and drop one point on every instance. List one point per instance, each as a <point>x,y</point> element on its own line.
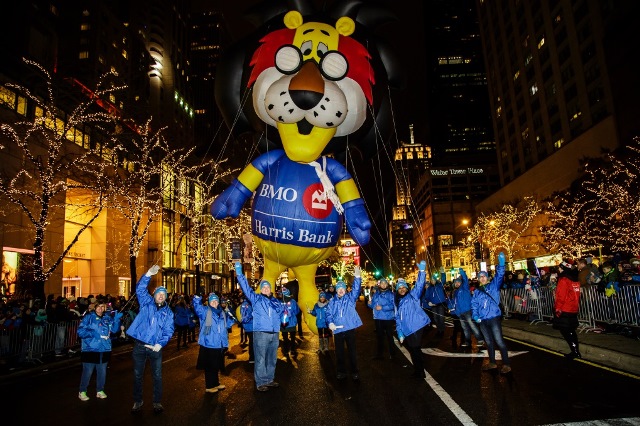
<point>611,350</point>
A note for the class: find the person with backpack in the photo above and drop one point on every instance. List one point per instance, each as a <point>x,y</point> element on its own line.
<point>567,303</point>
<point>486,311</point>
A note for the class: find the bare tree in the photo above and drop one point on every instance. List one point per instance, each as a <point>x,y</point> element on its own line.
<point>55,161</point>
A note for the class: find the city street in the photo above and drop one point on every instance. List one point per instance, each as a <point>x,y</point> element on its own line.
<point>543,388</point>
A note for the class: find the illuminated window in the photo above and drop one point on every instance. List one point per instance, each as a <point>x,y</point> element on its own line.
<point>124,53</point>
<point>101,59</point>
<point>22,106</point>
<point>84,54</point>
<point>516,75</point>
<point>113,69</point>
<point>541,42</point>
<point>112,97</point>
<point>533,89</point>
<point>7,97</point>
<point>85,27</point>
<point>499,112</point>
<point>558,144</point>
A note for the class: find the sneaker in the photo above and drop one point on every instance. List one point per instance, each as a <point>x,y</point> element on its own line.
<point>221,387</point>
<point>262,388</point>
<point>489,366</point>
<point>83,396</point>
<point>101,395</point>
<point>157,407</point>
<point>211,390</point>
<point>273,384</point>
<point>136,407</point>
<point>505,369</point>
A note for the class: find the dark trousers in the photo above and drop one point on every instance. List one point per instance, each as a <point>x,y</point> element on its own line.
<point>249,335</point>
<point>384,332</point>
<point>289,342</point>
<point>347,338</point>
<point>413,343</point>
<point>299,318</point>
<point>211,379</point>
<point>182,334</point>
<point>140,356</point>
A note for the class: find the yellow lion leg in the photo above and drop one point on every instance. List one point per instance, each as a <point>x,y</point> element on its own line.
<point>272,271</point>
<point>307,293</point>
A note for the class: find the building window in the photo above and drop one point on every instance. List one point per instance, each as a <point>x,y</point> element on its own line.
<point>84,54</point>
<point>541,42</point>
<point>558,144</point>
<point>124,53</point>
<point>85,27</point>
<point>533,89</point>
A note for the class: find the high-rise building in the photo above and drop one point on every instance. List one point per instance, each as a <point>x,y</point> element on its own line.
<point>561,87</point>
<point>462,169</point>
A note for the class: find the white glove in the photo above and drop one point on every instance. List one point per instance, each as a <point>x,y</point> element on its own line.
<point>308,311</point>
<point>104,337</point>
<point>153,270</point>
<point>332,327</point>
<point>432,304</point>
<point>157,347</point>
<point>356,272</point>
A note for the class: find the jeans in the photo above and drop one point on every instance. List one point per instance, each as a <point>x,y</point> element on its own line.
<point>87,372</point>
<point>249,335</point>
<point>492,332</point>
<point>349,338</point>
<point>61,332</point>
<point>384,331</point>
<point>469,326</point>
<point>140,355</point>
<point>265,349</point>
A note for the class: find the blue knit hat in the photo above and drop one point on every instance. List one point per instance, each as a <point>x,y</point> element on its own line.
<point>212,297</point>
<point>483,273</point>
<point>160,289</point>
<point>321,295</point>
<point>401,283</point>
<point>286,292</point>
<point>264,283</point>
<point>341,284</point>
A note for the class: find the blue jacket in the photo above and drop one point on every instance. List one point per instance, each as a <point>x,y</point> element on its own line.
<point>153,324</point>
<point>320,312</point>
<point>433,294</point>
<point>218,337</point>
<point>384,299</point>
<point>484,306</point>
<point>290,310</point>
<point>182,315</point>
<point>92,328</point>
<point>266,310</point>
<point>342,310</point>
<point>461,297</point>
<point>409,316</point>
<point>246,313</point>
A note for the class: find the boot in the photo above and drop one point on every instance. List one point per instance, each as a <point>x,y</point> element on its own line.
<point>575,353</point>
<point>326,344</point>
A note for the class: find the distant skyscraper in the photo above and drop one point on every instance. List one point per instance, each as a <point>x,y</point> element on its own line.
<point>459,114</point>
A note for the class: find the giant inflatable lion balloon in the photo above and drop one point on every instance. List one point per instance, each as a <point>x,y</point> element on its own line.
<point>313,82</point>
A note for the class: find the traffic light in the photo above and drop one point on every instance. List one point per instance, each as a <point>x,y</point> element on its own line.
<point>377,274</point>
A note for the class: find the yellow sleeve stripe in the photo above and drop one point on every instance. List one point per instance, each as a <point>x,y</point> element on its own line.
<point>251,177</point>
<point>347,191</point>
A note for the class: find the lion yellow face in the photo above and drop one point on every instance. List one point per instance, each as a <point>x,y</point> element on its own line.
<point>310,90</point>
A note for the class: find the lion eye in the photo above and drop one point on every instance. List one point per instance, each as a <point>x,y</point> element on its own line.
<point>288,59</point>
<point>334,65</point>
<point>306,48</point>
<point>322,50</point>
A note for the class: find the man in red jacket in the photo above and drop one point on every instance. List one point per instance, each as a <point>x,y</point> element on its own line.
<point>567,306</point>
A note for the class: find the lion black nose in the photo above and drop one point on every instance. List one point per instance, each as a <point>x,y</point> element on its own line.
<point>307,87</point>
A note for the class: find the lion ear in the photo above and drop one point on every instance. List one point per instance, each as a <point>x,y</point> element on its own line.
<point>293,19</point>
<point>345,26</point>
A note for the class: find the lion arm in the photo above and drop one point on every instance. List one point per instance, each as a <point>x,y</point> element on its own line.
<point>253,174</point>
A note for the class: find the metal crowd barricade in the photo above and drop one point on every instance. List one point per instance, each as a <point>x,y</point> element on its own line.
<point>29,343</point>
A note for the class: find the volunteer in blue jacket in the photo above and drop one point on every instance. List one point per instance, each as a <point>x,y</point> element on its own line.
<point>384,312</point>
<point>151,330</point>
<point>95,331</point>
<point>411,319</point>
<point>343,321</point>
<point>246,313</point>
<point>320,312</point>
<point>212,340</point>
<point>266,330</point>
<point>485,308</point>
<point>289,323</point>
<point>461,306</point>
<point>435,301</point>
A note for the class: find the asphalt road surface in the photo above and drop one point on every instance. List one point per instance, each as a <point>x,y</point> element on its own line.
<point>542,389</point>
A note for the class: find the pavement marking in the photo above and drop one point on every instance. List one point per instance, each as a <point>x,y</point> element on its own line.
<point>457,411</point>
<point>440,352</point>
<point>634,421</point>
<point>582,360</point>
